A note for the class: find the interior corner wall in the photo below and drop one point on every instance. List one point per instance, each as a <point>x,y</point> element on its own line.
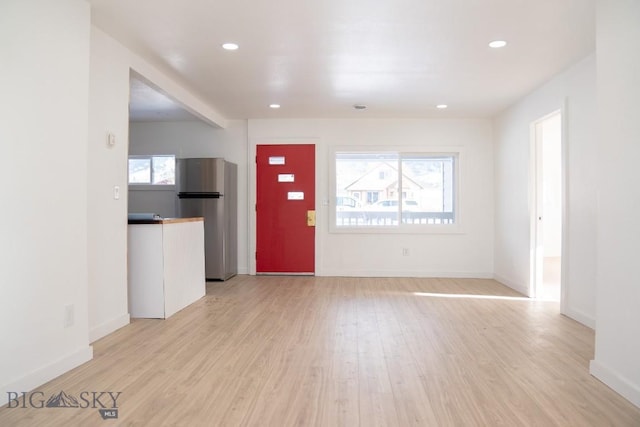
<point>43,221</point>
<point>466,254</point>
<point>575,88</point>
<point>192,139</point>
<point>107,248</point>
<point>617,355</point>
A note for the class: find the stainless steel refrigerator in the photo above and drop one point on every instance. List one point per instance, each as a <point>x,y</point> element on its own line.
<point>207,187</point>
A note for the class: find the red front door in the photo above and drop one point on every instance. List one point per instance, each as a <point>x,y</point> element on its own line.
<point>285,210</point>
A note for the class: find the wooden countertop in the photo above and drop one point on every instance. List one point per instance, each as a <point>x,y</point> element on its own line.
<point>166,220</point>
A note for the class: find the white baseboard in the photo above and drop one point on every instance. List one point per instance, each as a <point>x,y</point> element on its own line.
<point>45,374</point>
<point>108,327</point>
<point>518,287</point>
<point>395,273</point>
<point>617,382</point>
<point>580,317</point>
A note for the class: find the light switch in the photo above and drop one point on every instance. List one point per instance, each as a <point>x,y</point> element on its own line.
<point>111,139</point>
<point>116,192</point>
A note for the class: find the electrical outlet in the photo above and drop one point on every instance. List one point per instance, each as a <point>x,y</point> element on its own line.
<point>68,315</point>
<point>405,251</point>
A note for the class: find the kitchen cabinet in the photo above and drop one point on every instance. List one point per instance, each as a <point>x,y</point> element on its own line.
<point>166,266</point>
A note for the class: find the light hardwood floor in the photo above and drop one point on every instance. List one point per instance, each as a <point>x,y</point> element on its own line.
<point>304,351</point>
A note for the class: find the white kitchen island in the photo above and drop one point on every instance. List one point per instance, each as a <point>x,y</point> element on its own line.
<point>166,265</point>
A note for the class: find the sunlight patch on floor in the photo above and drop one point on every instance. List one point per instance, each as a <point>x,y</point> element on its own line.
<point>471,296</point>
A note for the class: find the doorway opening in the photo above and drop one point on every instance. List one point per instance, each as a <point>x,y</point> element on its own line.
<point>548,194</point>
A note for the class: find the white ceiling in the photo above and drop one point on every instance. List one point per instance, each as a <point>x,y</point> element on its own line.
<point>148,104</point>
<point>319,58</point>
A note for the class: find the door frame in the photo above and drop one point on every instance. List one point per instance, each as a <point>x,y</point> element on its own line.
<point>535,201</point>
<point>253,196</point>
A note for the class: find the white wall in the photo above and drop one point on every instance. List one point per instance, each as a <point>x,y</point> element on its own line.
<point>107,248</point>
<point>576,86</point>
<point>111,63</point>
<point>466,254</point>
<point>44,81</point>
<point>617,356</point>
<point>192,139</point>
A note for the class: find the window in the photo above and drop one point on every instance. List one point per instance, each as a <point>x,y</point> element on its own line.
<point>152,170</point>
<point>403,190</point>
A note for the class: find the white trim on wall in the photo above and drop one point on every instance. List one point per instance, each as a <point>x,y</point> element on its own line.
<point>535,185</point>
<point>518,287</point>
<point>458,152</point>
<point>581,317</point>
<point>565,250</point>
<point>108,327</point>
<point>616,381</point>
<point>48,372</point>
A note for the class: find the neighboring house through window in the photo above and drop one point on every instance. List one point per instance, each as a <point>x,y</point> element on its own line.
<point>401,189</point>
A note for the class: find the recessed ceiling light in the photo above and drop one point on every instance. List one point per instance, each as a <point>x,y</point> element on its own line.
<point>230,46</point>
<point>441,106</point>
<point>360,107</point>
<point>274,105</point>
<point>497,44</point>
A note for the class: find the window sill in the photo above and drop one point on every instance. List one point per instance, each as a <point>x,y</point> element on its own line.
<point>151,187</point>
<point>408,229</point>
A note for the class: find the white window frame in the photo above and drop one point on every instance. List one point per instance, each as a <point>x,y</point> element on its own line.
<point>402,228</point>
<point>150,185</point>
